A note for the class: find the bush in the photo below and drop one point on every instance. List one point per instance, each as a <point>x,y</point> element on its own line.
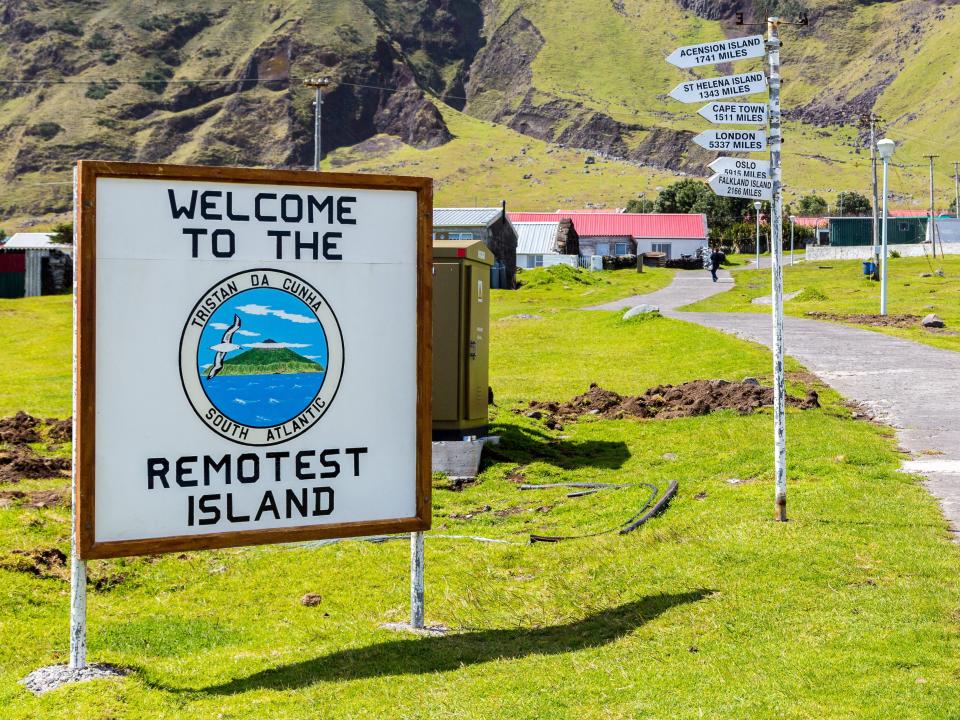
<point>67,27</point>
<point>155,80</point>
<point>98,91</point>
<point>617,262</point>
<point>811,294</point>
<point>894,254</point>
<point>97,41</point>
<point>62,233</point>
<point>45,130</point>
<point>109,57</point>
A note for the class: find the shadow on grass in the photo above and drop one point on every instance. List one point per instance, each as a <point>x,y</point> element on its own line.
<point>442,654</point>
<point>524,445</point>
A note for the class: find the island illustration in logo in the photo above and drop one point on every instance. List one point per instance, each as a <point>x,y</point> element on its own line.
<point>261,357</point>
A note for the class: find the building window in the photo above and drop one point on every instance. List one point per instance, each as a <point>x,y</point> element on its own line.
<point>903,227</point>
<point>663,247</point>
<point>602,249</point>
<point>621,249</point>
<point>463,235</point>
<point>538,260</point>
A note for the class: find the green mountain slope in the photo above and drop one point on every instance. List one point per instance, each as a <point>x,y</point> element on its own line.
<point>269,361</point>
<point>499,98</point>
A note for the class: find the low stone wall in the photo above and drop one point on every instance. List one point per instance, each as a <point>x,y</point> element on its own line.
<point>865,252</point>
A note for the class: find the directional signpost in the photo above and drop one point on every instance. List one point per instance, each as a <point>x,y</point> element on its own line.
<point>718,52</point>
<point>741,187</point>
<point>746,178</point>
<point>717,88</point>
<point>726,113</point>
<point>732,140</point>
<point>741,177</point>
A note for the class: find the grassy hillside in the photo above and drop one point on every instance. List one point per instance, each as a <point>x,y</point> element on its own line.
<point>152,84</point>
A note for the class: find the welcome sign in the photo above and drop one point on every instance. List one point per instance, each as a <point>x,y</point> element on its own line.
<point>253,356</point>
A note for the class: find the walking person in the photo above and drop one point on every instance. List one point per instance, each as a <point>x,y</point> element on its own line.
<point>716,259</point>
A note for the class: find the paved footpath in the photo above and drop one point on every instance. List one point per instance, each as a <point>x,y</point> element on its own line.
<point>913,387</point>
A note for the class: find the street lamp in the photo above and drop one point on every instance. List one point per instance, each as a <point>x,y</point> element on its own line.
<point>318,83</point>
<point>885,147</point>
<point>793,222</point>
<point>757,205</point>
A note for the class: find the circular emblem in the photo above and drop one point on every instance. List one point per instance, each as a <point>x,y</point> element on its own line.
<point>261,357</point>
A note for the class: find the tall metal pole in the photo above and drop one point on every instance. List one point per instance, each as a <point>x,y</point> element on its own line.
<point>416,580</point>
<point>758,236</point>
<point>318,83</point>
<point>793,223</point>
<point>776,247</point>
<point>78,567</point>
<point>956,187</point>
<point>317,135</point>
<point>883,250</point>
<point>873,166</point>
<point>932,228</point>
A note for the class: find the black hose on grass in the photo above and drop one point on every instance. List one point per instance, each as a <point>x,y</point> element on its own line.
<point>645,513</point>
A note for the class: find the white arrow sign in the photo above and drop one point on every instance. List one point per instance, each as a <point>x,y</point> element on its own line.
<point>729,186</point>
<point>719,88</point>
<point>732,140</point>
<point>741,168</point>
<point>717,52</point>
<point>722,113</point>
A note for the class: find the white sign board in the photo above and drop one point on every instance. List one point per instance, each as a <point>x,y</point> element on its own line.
<point>236,360</point>
<point>722,51</point>
<point>741,187</point>
<point>741,167</point>
<point>722,113</point>
<point>732,140</point>
<point>719,88</point>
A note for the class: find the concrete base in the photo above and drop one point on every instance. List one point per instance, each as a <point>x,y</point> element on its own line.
<point>425,631</point>
<point>52,677</point>
<point>460,459</point>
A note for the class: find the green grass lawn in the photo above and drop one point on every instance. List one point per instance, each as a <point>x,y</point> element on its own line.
<point>35,355</point>
<point>839,287</point>
<point>711,610</point>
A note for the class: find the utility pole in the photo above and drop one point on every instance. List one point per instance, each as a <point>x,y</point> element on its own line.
<point>318,83</point>
<point>932,226</point>
<point>776,276</point>
<point>956,187</point>
<point>876,209</point>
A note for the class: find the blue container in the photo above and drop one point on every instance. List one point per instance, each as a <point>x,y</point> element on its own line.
<point>869,268</point>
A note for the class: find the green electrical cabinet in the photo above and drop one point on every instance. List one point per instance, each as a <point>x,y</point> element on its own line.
<point>461,337</point>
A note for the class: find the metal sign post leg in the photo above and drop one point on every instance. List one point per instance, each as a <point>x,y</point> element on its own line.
<point>78,567</point>
<point>416,580</point>
<point>776,247</point>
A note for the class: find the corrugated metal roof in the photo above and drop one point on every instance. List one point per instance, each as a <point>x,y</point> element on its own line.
<point>590,211</point>
<point>33,241</point>
<point>811,221</point>
<point>536,238</point>
<point>465,217</point>
<point>635,225</point>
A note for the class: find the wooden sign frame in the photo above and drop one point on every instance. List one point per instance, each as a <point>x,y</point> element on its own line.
<point>85,378</point>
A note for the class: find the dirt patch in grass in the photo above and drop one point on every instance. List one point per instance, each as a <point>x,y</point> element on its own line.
<point>21,463</point>
<point>899,321</point>
<point>698,397</point>
<point>23,429</point>
<point>60,430</point>
<point>33,498</point>
<point>53,563</point>
<point>19,429</point>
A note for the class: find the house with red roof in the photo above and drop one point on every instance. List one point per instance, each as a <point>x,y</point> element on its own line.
<point>618,233</point>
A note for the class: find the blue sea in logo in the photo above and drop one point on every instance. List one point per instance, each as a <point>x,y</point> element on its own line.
<point>258,346</point>
<point>262,400</point>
